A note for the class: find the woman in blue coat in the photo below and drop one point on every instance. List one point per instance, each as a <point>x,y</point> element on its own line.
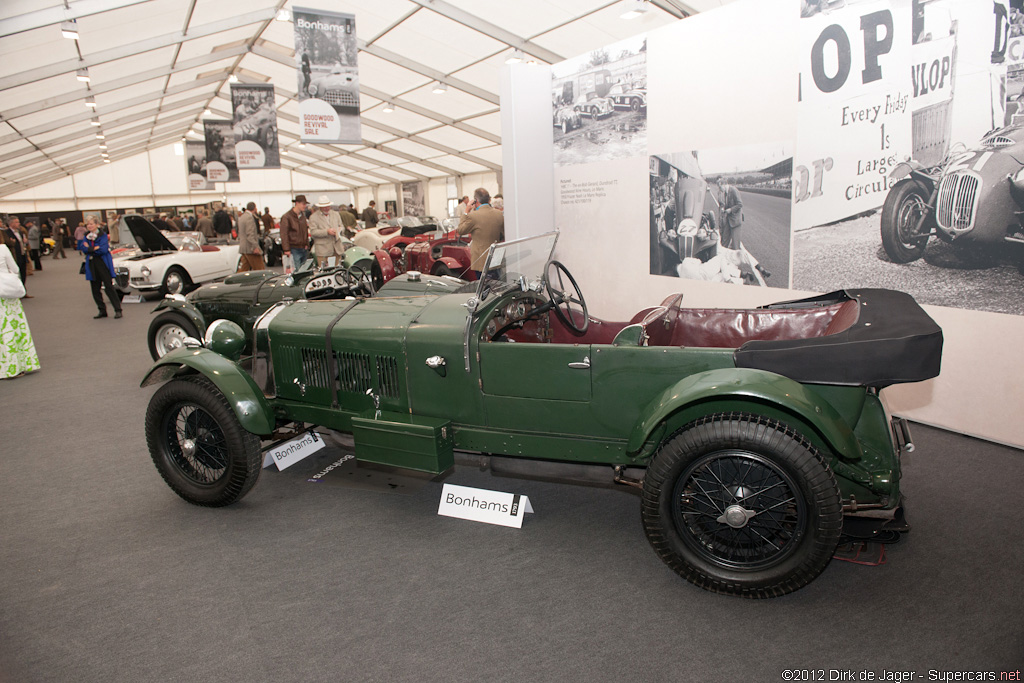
<point>99,266</point>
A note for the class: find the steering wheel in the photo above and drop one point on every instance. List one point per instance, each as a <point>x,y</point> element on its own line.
<point>562,299</point>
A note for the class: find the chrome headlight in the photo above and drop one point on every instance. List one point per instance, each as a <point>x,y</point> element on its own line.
<point>226,338</point>
<point>146,272</point>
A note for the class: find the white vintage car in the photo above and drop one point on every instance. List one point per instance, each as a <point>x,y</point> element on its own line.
<point>159,265</point>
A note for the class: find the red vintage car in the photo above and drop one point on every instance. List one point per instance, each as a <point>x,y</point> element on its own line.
<point>436,254</point>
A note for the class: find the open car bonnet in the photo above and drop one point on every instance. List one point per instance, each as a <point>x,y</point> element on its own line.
<point>146,235</point>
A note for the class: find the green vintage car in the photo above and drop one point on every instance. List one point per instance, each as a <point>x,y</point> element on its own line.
<point>243,297</point>
<point>749,434</point>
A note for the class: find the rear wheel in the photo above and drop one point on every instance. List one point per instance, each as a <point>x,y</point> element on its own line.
<point>442,269</point>
<point>634,104</point>
<point>901,213</point>
<point>740,504</point>
<point>565,126</point>
<point>198,445</point>
<point>167,332</point>
<point>269,257</point>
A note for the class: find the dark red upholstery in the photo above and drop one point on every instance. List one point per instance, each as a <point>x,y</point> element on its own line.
<point>844,318</point>
<point>210,247</point>
<point>731,328</point>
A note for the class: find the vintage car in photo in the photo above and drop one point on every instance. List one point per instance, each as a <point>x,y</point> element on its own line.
<point>755,438</point>
<point>593,105</point>
<point>566,118</point>
<point>160,266</point>
<point>259,126</point>
<point>974,200</point>
<point>624,96</point>
<point>340,88</point>
<point>244,297</point>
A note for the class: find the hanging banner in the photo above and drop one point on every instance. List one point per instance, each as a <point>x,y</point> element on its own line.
<point>413,201</point>
<point>195,161</point>
<point>254,120</point>
<point>325,57</point>
<point>221,166</point>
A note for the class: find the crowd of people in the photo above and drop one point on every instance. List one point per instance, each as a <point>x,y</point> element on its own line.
<point>329,230</point>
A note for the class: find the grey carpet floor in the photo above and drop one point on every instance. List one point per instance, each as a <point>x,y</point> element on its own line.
<point>105,575</point>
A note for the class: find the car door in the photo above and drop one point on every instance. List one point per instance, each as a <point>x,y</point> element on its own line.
<point>536,387</point>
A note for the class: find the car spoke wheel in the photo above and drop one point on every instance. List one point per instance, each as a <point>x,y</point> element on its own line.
<point>741,504</point>
<point>197,444</point>
<point>901,213</point>
<point>168,331</point>
<point>634,104</point>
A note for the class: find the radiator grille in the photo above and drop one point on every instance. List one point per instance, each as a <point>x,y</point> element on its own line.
<point>314,368</point>
<point>958,201</point>
<point>341,98</point>
<point>387,376</point>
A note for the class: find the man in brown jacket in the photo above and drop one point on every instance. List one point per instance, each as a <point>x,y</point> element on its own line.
<point>370,215</point>
<point>295,233</point>
<point>485,225</point>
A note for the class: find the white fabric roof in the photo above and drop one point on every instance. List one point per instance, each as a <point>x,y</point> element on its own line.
<point>156,65</point>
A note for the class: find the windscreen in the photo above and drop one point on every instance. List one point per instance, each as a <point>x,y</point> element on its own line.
<point>520,263</point>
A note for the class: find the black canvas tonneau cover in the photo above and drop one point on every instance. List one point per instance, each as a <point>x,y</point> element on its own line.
<point>893,341</point>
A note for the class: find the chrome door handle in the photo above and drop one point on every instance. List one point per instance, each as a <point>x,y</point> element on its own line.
<point>582,365</point>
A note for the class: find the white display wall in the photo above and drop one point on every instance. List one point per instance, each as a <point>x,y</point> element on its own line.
<point>729,90</point>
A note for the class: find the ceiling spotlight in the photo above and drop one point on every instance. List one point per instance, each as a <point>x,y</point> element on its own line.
<point>439,88</point>
<point>388,108</point>
<point>191,132</point>
<point>103,145</point>
<point>284,152</point>
<point>69,29</point>
<point>95,121</point>
<point>634,8</point>
<point>283,15</point>
<point>302,144</point>
<point>101,136</point>
<point>207,112</point>
<point>516,57</point>
<point>106,161</point>
<point>82,75</point>
<point>232,78</point>
<point>90,102</point>
<point>105,155</point>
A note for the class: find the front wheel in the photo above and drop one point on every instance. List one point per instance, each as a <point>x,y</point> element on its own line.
<point>269,257</point>
<point>901,213</point>
<point>634,104</point>
<point>197,444</point>
<point>175,281</point>
<point>743,505</point>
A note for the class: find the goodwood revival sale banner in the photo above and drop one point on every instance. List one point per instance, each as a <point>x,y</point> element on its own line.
<point>195,161</point>
<point>221,166</point>
<point>328,76</point>
<point>254,121</point>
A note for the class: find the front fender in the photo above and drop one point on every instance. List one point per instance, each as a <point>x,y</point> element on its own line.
<point>452,264</point>
<point>387,264</point>
<point>241,392</point>
<point>755,386</point>
<point>187,309</point>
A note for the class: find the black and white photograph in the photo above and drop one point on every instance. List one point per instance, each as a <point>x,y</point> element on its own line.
<point>328,76</point>
<point>722,215</point>
<point>221,166</point>
<point>413,199</point>
<point>254,118</point>
<point>917,186</point>
<point>599,104</point>
<point>195,162</point>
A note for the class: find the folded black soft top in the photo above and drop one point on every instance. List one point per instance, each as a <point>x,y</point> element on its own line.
<point>893,341</point>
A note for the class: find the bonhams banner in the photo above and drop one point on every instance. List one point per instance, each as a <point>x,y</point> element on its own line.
<point>254,120</point>
<point>325,55</point>
<point>195,160</point>
<point>221,166</point>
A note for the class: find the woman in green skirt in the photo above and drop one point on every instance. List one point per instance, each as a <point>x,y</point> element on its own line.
<point>17,352</point>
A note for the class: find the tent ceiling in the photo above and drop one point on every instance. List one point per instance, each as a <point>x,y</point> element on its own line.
<point>156,65</point>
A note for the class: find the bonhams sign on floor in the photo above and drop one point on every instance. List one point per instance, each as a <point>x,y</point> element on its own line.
<point>481,505</point>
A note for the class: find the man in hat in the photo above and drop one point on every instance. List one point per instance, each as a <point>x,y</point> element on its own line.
<point>250,256</point>
<point>295,233</point>
<point>370,215</point>
<point>324,227</point>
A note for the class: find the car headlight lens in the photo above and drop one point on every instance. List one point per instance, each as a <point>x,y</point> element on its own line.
<point>226,338</point>
<point>146,272</point>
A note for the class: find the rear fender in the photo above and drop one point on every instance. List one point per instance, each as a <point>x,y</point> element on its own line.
<point>755,387</point>
<point>187,309</point>
<point>452,264</point>
<point>244,397</point>
<point>387,265</point>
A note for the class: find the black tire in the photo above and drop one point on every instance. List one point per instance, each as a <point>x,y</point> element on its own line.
<point>565,126</point>
<point>225,462</point>
<point>167,327</point>
<point>176,281</point>
<point>900,214</point>
<point>442,269</point>
<point>634,104</point>
<point>270,258</point>
<point>757,460</point>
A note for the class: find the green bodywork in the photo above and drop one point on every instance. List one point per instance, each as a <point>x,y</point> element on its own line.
<point>517,399</point>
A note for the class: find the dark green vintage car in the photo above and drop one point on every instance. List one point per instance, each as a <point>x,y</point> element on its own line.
<point>243,297</point>
<point>749,434</point>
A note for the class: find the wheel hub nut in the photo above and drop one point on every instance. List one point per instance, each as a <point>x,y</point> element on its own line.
<point>735,516</point>
<point>188,447</point>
